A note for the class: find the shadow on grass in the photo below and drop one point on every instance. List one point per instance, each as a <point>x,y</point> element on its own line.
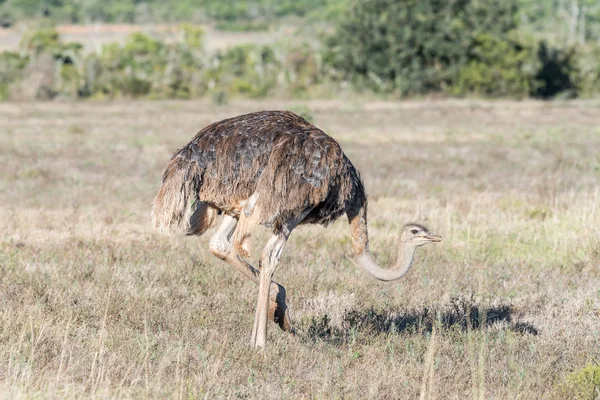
<point>460,313</point>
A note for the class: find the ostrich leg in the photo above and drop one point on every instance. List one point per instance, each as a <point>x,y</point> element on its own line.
<point>268,263</point>
<point>221,247</point>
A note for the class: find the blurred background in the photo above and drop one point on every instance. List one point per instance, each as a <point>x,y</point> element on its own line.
<point>298,48</point>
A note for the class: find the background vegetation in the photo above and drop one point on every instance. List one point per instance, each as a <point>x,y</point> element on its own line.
<point>484,48</point>
<point>236,14</point>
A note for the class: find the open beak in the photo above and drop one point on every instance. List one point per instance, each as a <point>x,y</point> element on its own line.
<point>433,238</point>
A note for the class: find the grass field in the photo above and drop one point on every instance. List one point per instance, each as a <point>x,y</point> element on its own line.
<point>93,303</point>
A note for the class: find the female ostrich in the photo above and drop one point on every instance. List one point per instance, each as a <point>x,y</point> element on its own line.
<point>270,168</point>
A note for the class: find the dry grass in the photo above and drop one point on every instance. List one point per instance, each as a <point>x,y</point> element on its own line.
<point>95,304</point>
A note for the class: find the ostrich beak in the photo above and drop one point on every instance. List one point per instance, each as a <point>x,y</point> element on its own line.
<point>433,238</point>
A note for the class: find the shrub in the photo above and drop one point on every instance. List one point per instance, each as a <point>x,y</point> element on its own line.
<point>245,69</point>
<point>70,81</point>
<point>497,68</point>
<point>39,79</point>
<point>11,69</point>
<point>40,41</point>
<point>55,68</point>
<point>587,70</point>
<point>193,37</point>
<point>131,69</point>
<point>413,46</point>
<point>144,66</point>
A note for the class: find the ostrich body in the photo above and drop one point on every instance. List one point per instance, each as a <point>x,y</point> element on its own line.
<point>270,168</point>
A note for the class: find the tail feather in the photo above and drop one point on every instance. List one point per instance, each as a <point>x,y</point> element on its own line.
<point>202,219</point>
<point>179,191</point>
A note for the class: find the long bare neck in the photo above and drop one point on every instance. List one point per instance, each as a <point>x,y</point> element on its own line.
<point>397,271</point>
<point>360,244</point>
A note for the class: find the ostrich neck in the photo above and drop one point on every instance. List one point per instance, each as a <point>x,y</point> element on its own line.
<point>397,271</point>
<point>357,217</point>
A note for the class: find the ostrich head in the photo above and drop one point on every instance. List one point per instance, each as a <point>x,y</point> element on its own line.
<point>416,235</point>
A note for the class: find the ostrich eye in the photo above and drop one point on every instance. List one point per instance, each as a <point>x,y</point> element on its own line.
<point>414,231</point>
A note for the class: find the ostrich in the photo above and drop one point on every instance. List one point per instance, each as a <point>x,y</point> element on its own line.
<point>270,168</point>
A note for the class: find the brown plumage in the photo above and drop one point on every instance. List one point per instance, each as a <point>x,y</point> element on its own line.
<point>270,168</point>
<point>289,163</point>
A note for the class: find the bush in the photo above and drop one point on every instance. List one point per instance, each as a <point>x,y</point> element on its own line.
<point>193,37</point>
<point>131,69</point>
<point>70,81</point>
<point>497,68</point>
<point>413,46</point>
<point>41,41</point>
<point>38,81</point>
<point>11,70</point>
<point>587,70</point>
<point>55,67</point>
<point>245,69</point>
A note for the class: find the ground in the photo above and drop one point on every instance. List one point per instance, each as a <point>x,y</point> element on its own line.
<point>93,303</point>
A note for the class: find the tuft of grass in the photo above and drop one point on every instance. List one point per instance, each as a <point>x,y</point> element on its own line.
<point>76,130</point>
<point>582,384</point>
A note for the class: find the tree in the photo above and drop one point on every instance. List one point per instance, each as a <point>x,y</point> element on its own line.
<point>414,46</point>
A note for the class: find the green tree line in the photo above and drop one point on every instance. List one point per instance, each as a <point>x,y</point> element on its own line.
<point>558,19</point>
<point>231,14</point>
